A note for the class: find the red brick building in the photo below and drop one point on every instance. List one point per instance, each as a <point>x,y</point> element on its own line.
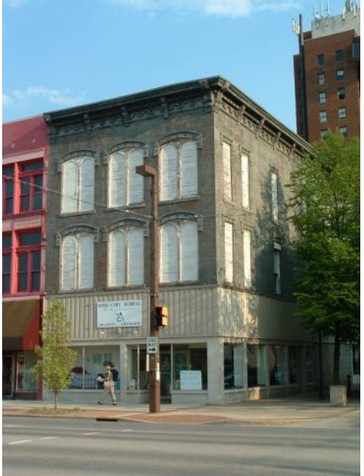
<point>327,80</point>
<point>25,162</point>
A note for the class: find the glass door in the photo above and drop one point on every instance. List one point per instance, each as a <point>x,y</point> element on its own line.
<point>8,375</point>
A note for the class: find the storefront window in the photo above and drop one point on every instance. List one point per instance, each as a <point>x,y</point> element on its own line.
<point>233,366</point>
<point>191,357</point>
<point>137,368</point>
<point>90,362</point>
<point>256,366</point>
<point>277,365</point>
<point>25,380</point>
<point>294,358</point>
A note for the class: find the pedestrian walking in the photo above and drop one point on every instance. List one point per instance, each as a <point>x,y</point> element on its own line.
<point>109,388</point>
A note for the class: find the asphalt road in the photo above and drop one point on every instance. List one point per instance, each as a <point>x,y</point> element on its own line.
<point>60,447</point>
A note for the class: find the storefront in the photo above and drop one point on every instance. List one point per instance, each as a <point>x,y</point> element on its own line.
<point>21,325</point>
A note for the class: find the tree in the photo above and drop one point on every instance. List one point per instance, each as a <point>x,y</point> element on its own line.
<point>55,358</point>
<point>326,203</point>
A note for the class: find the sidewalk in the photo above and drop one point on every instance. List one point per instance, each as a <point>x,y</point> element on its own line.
<point>284,411</point>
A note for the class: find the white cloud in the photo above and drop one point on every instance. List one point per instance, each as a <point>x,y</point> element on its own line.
<point>228,8</point>
<point>52,96</point>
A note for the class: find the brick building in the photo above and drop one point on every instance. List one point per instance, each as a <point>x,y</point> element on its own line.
<point>25,161</point>
<point>327,75</point>
<point>225,257</point>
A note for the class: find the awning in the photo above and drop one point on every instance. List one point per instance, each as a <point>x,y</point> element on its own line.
<point>21,324</point>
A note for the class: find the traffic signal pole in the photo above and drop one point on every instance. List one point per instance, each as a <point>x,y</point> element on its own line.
<point>154,366</point>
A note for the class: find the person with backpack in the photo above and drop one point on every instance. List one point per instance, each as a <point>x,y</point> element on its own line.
<point>109,386</point>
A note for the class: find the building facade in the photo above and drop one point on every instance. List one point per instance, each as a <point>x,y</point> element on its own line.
<point>25,162</point>
<point>225,256</point>
<point>327,75</point>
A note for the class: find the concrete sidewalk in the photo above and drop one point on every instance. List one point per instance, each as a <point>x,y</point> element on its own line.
<point>284,411</point>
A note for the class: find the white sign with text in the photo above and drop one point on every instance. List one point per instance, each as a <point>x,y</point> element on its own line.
<point>191,379</point>
<point>119,314</point>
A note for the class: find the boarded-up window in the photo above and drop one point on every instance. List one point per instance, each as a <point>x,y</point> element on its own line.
<point>78,185</point>
<point>77,262</point>
<point>126,257</point>
<point>277,270</point>
<point>229,252</point>
<point>247,257</point>
<point>245,181</point>
<point>179,252</point>
<point>125,185</point>
<point>227,171</point>
<point>178,170</point>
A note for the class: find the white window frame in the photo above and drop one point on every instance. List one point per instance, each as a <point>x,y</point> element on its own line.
<point>78,268</point>
<point>179,252</point>
<point>229,251</point>
<point>323,116</point>
<point>227,184</point>
<point>78,185</point>
<point>125,186</point>
<point>322,97</point>
<point>245,181</point>
<point>342,112</point>
<point>125,257</point>
<point>247,249</point>
<point>178,170</point>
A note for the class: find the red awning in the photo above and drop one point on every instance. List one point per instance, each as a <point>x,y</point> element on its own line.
<point>21,324</point>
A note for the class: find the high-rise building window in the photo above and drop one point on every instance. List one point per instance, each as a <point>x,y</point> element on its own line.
<point>321,78</point>
<point>78,183</point>
<point>341,93</point>
<point>227,171</point>
<point>8,190</point>
<point>323,116</point>
<point>320,59</point>
<point>342,112</point>
<point>340,74</point>
<point>344,131</point>
<point>77,262</point>
<point>28,257</point>
<point>7,240</point>
<point>229,253</point>
<point>339,56</point>
<point>324,133</point>
<point>322,97</point>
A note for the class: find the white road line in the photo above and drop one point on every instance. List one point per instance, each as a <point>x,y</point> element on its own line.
<point>91,433</point>
<point>126,430</point>
<point>20,442</point>
<point>48,437</point>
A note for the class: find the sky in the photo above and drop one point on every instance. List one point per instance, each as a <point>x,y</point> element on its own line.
<point>63,53</point>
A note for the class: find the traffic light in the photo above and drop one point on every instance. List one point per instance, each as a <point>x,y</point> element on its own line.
<point>161,316</point>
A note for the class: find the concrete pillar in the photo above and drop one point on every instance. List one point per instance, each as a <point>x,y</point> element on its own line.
<point>215,371</point>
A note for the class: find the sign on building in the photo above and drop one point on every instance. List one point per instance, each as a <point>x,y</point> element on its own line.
<point>191,379</point>
<point>118,314</point>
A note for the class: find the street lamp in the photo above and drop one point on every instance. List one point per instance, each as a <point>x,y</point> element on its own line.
<point>154,368</point>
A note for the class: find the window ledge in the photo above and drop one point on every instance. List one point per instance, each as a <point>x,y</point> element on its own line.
<point>71,214</point>
<point>179,200</point>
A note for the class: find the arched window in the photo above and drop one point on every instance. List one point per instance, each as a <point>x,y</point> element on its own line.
<point>77,262</point>
<point>179,252</point>
<point>78,185</point>
<point>178,170</point>
<point>125,185</point>
<point>126,257</point>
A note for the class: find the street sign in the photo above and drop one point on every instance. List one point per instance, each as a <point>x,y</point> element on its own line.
<point>152,345</point>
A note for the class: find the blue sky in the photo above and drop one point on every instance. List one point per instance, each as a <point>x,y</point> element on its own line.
<point>63,53</point>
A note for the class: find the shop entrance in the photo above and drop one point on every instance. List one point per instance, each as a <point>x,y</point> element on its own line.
<point>8,376</point>
<point>165,367</point>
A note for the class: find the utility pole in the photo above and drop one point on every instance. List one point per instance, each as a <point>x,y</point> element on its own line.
<point>154,366</point>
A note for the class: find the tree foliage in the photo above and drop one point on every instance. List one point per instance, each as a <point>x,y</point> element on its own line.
<point>326,205</point>
<point>55,358</point>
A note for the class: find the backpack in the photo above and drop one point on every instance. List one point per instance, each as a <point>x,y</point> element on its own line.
<point>115,374</point>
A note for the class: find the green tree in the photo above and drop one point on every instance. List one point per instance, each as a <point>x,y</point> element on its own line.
<point>326,214</point>
<point>55,358</point>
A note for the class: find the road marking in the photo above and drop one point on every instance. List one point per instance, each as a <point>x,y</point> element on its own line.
<point>20,442</point>
<point>91,433</point>
<point>127,430</point>
<point>48,437</point>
